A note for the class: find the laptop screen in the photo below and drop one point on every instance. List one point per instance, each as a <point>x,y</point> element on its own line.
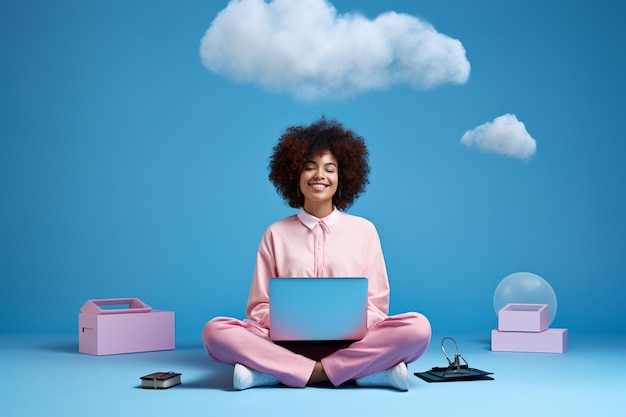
<point>318,309</point>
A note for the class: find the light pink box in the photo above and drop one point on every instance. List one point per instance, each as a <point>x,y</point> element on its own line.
<point>548,341</point>
<point>123,325</point>
<point>523,318</point>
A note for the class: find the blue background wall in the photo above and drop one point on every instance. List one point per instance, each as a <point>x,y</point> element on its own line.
<point>129,169</point>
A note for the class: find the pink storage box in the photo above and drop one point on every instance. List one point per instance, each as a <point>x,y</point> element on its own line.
<point>548,341</point>
<point>123,325</point>
<point>523,318</point>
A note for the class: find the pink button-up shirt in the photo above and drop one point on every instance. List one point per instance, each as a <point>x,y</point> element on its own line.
<point>340,245</point>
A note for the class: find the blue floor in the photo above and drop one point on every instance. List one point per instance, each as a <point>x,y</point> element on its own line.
<point>46,376</point>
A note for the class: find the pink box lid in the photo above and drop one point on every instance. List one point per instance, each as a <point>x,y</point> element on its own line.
<point>116,306</point>
<point>524,307</point>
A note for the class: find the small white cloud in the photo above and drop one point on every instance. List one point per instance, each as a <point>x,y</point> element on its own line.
<point>505,136</point>
<point>306,48</point>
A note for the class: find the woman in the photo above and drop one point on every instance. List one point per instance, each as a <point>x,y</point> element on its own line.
<point>320,169</point>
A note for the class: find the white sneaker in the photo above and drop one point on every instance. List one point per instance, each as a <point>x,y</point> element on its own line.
<point>244,378</point>
<point>395,377</point>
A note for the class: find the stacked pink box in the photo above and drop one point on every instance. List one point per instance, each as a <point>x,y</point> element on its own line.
<point>525,328</point>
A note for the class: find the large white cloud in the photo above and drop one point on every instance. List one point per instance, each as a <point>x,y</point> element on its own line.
<point>505,136</point>
<point>306,48</point>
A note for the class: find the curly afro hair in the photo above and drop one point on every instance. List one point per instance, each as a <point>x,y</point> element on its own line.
<point>299,143</point>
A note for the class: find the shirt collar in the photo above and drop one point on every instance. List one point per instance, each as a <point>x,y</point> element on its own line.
<point>311,221</point>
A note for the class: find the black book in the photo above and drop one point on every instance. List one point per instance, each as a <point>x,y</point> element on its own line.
<point>449,374</point>
<point>160,380</point>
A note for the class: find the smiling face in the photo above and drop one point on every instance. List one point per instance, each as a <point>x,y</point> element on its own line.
<point>318,183</point>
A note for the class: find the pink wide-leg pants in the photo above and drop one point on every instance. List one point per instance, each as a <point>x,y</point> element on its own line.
<point>398,338</point>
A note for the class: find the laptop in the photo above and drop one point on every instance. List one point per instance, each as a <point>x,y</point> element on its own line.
<point>318,309</point>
